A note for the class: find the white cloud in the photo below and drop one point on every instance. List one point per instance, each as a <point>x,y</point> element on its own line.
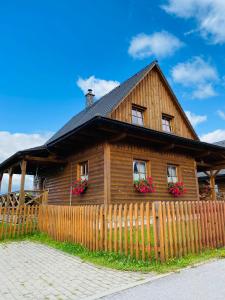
<point>195,119</point>
<point>13,142</point>
<point>208,14</point>
<point>100,87</point>
<point>204,91</point>
<point>198,75</point>
<point>159,44</point>
<point>214,136</point>
<point>221,114</point>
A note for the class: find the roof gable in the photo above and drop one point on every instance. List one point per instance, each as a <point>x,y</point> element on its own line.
<point>106,104</point>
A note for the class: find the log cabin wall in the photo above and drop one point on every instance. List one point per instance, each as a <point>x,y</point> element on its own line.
<point>122,189</point>
<point>153,95</point>
<point>59,183</point>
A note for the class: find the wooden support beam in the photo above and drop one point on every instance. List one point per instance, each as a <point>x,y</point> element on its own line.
<point>10,172</point>
<point>23,166</point>
<point>1,177</point>
<point>107,174</point>
<point>45,159</point>
<point>212,185</point>
<point>203,154</point>
<point>203,164</point>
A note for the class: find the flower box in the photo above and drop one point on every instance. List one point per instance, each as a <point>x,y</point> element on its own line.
<point>144,186</point>
<point>176,189</point>
<point>79,187</point>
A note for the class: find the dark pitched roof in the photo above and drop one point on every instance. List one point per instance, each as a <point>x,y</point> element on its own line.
<point>221,143</point>
<point>104,105</point>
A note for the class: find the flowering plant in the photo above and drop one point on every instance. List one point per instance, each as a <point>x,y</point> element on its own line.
<point>79,186</point>
<point>144,185</point>
<point>176,189</point>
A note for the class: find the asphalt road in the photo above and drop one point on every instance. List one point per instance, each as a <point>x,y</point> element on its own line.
<point>199,283</point>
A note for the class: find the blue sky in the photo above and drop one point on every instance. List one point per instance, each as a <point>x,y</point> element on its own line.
<point>51,50</point>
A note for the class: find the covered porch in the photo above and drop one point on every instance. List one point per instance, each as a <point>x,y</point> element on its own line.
<point>33,162</point>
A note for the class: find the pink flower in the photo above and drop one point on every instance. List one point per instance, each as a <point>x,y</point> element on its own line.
<point>144,185</point>
<point>79,186</point>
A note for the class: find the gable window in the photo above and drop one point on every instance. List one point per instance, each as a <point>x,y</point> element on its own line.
<point>139,169</point>
<point>137,115</point>
<point>167,123</point>
<point>172,174</point>
<point>83,170</point>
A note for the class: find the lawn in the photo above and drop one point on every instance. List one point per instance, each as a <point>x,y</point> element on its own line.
<point>121,262</point>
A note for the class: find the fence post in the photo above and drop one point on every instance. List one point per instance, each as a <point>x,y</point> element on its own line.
<point>158,229</point>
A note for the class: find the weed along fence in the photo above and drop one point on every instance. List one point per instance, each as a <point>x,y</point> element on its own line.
<point>18,221</point>
<point>158,231</point>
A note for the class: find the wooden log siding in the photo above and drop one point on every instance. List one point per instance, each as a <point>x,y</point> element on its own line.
<point>122,189</point>
<point>159,231</point>
<point>152,94</point>
<point>59,183</point>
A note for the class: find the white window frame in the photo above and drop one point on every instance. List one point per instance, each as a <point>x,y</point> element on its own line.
<point>167,123</point>
<point>137,115</point>
<point>171,178</point>
<point>83,170</point>
<point>139,175</point>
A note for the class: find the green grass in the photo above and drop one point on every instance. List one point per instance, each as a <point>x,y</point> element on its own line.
<point>121,262</point>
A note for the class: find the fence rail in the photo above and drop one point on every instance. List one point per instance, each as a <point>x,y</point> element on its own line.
<point>161,231</point>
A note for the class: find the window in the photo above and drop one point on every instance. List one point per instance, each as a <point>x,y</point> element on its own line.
<point>166,123</point>
<point>137,115</point>
<point>139,169</point>
<point>172,173</point>
<point>83,166</point>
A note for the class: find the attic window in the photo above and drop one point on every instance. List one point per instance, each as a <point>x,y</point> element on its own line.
<point>138,115</point>
<point>167,123</point>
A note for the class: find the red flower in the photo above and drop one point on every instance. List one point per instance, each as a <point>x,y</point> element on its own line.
<point>176,189</point>
<point>79,186</point>
<point>144,185</point>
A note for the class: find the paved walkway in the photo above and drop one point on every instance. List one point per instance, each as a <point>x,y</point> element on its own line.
<point>205,282</point>
<point>35,271</point>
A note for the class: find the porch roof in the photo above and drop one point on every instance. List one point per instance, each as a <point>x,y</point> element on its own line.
<point>101,129</point>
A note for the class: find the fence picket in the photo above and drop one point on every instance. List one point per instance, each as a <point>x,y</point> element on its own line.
<point>173,229</point>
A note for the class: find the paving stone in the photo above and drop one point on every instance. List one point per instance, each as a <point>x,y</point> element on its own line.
<point>35,271</point>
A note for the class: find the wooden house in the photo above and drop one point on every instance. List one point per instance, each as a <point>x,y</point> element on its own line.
<point>138,129</point>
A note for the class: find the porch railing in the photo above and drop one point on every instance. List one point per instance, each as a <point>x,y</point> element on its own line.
<point>32,197</point>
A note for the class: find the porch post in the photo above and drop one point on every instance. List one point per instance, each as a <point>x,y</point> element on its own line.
<point>10,172</point>
<point>212,185</point>
<point>23,166</point>
<point>1,176</point>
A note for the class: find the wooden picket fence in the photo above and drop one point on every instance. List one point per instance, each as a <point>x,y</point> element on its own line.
<point>18,221</point>
<point>156,230</point>
<point>160,230</point>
